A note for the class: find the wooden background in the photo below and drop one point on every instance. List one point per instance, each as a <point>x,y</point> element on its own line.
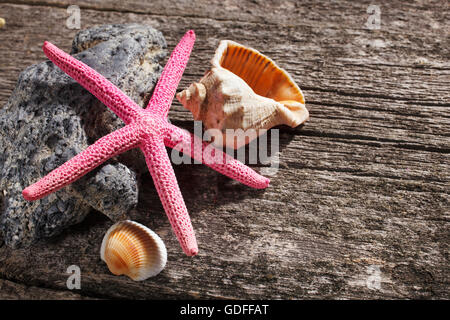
<point>363,187</point>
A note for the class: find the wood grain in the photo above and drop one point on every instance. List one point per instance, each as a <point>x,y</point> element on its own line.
<point>363,186</point>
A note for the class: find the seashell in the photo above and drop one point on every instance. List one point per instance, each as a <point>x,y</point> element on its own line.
<point>244,90</point>
<point>132,249</point>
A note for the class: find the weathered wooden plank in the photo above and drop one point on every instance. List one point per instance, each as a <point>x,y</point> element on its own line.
<point>362,189</point>
<point>332,85</point>
<point>403,17</point>
<point>13,291</point>
<point>323,69</point>
<point>331,228</point>
<point>318,244</point>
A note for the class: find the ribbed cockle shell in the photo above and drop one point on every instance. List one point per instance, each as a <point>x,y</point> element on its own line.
<point>244,90</point>
<point>132,249</point>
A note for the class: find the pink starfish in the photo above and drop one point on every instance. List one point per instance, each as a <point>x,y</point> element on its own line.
<point>149,130</point>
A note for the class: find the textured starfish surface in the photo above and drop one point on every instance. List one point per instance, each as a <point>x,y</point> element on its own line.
<point>149,130</point>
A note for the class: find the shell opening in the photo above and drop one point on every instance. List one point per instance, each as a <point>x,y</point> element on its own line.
<point>260,72</point>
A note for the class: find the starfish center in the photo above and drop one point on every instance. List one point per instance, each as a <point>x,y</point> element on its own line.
<point>151,125</point>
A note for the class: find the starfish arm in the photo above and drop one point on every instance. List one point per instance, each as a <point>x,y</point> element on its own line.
<point>110,145</point>
<point>94,82</point>
<point>171,75</point>
<point>166,184</point>
<point>200,150</point>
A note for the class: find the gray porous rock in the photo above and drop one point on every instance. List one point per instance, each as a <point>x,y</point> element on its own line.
<point>49,118</point>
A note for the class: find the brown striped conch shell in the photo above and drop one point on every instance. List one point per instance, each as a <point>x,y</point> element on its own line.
<point>132,249</point>
<point>244,90</point>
